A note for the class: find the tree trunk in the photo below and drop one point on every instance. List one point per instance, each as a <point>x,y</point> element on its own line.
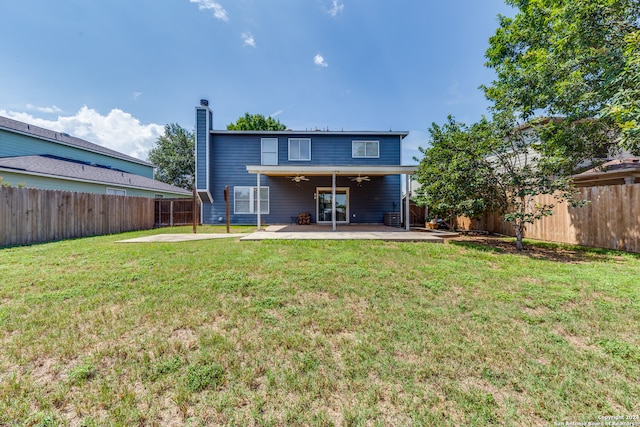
<point>519,229</point>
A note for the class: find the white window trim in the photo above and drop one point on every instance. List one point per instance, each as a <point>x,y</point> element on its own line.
<point>353,150</point>
<point>116,191</point>
<point>252,200</point>
<point>299,160</point>
<point>262,141</point>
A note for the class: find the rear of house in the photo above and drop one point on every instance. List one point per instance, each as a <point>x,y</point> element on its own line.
<point>273,176</point>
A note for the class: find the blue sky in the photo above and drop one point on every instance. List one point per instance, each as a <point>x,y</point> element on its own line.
<point>115,72</point>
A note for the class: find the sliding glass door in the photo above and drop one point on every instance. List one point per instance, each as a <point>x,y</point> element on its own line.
<point>324,205</point>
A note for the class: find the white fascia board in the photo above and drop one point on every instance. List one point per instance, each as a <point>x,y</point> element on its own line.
<point>330,170</point>
<point>310,133</point>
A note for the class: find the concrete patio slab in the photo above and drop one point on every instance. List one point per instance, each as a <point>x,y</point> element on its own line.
<point>181,237</point>
<point>343,232</point>
<point>309,232</point>
<point>401,236</point>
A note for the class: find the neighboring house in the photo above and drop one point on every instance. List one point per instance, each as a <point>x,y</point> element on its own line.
<point>41,158</point>
<point>615,172</point>
<point>339,177</point>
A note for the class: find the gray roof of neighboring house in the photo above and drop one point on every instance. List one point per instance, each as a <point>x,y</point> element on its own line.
<point>55,167</point>
<point>628,163</point>
<point>64,139</point>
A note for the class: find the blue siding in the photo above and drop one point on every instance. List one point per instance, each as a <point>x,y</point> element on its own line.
<point>228,157</point>
<point>201,147</point>
<point>336,150</point>
<point>230,153</point>
<point>15,144</point>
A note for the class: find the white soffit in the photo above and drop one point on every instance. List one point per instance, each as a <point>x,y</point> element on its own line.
<point>330,170</point>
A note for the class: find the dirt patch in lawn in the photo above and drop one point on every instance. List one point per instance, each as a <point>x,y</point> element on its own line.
<point>506,245</point>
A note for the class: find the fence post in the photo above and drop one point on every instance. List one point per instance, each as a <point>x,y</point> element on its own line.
<point>194,209</point>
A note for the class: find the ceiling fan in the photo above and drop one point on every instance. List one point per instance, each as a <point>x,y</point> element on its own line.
<point>298,178</point>
<point>359,179</point>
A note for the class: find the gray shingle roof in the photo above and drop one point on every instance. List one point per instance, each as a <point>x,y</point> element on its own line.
<point>61,168</point>
<point>64,139</point>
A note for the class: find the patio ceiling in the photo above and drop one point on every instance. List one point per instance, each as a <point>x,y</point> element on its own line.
<point>308,170</point>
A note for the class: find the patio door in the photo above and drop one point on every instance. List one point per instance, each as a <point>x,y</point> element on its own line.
<point>323,205</point>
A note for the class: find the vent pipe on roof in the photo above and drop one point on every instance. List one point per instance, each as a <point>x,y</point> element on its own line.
<point>204,102</point>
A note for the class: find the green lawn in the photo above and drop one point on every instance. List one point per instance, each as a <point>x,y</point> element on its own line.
<point>223,332</point>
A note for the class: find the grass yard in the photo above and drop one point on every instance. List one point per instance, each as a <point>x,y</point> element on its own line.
<point>319,333</point>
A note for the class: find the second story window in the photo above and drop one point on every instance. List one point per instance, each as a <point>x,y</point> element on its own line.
<point>300,149</point>
<point>365,149</point>
<point>269,151</point>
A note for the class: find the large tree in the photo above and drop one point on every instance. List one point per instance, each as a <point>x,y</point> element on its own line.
<point>526,165</point>
<point>174,156</point>
<point>567,87</point>
<point>624,107</point>
<point>256,122</point>
<point>565,58</point>
<point>492,166</point>
<point>455,176</point>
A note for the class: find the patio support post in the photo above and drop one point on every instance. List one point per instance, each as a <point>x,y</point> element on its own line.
<point>258,201</point>
<point>333,201</point>
<point>407,218</point>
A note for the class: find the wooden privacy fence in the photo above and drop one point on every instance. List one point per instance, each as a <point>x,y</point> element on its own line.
<point>611,220</point>
<point>29,215</point>
<point>169,212</point>
<point>417,215</point>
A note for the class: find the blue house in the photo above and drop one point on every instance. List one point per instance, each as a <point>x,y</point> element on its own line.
<point>41,158</point>
<point>273,176</point>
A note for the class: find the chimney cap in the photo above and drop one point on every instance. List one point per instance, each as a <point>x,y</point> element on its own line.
<point>204,102</point>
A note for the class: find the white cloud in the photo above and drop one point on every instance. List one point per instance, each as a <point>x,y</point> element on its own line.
<point>117,130</point>
<point>218,10</point>
<point>248,40</point>
<point>52,109</point>
<point>319,61</point>
<point>137,95</point>
<point>336,8</point>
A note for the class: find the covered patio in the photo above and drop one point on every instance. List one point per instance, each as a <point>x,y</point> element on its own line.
<point>333,172</point>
